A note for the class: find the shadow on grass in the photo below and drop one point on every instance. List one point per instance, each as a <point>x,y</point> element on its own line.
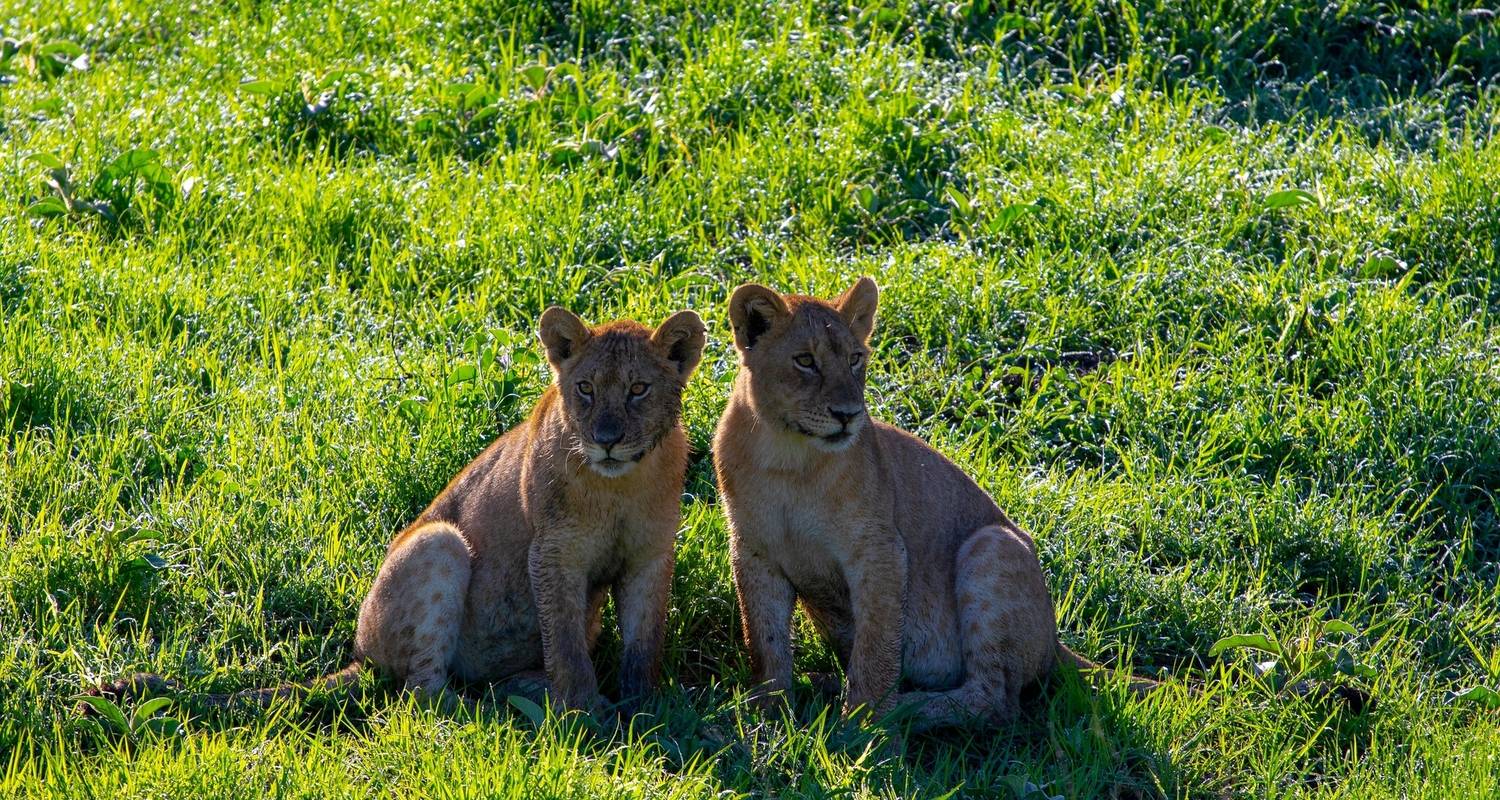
<point>1273,61</point>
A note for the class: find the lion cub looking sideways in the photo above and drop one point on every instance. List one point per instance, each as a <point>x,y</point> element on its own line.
<point>903,563</point>
<point>507,570</point>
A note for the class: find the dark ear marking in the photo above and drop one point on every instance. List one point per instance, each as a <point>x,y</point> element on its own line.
<point>753,311</point>
<point>755,325</point>
<point>682,337</point>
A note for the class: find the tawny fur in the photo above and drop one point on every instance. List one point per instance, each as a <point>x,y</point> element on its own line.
<point>930,596</point>
<point>506,572</point>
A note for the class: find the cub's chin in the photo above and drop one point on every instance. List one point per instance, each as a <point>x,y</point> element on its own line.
<point>834,442</point>
<point>611,467</point>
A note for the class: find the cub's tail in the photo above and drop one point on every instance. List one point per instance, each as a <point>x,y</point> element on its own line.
<point>145,684</point>
<point>1138,685</point>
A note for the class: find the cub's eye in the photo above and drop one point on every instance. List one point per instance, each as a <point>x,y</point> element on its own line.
<point>856,358</point>
<point>639,389</point>
<point>804,360</point>
<point>585,389</point>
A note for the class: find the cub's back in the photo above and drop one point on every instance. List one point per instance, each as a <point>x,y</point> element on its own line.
<point>935,505</point>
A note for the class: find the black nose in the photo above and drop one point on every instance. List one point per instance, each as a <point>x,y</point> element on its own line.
<point>844,415</point>
<point>608,432</point>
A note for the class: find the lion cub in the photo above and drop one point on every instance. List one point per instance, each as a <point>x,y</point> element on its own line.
<point>506,571</point>
<point>902,562</point>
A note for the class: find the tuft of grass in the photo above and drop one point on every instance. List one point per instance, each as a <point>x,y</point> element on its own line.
<point>1204,293</point>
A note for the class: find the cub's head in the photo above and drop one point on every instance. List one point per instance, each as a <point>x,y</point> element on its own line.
<point>805,359</point>
<point>621,383</point>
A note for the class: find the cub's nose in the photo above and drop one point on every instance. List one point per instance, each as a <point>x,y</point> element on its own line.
<point>608,431</point>
<point>845,414</point>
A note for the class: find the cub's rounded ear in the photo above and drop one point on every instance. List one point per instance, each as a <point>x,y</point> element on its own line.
<point>562,333</point>
<point>753,310</point>
<point>857,307</point>
<point>682,338</point>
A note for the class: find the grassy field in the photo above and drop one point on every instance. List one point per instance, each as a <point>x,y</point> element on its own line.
<point>1205,293</point>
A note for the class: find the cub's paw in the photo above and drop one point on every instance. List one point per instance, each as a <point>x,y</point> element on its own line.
<point>769,697</point>
<point>826,685</point>
<point>592,704</point>
<point>860,710</point>
<point>635,705</point>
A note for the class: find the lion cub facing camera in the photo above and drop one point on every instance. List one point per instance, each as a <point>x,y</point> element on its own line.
<point>506,572</point>
<point>903,563</point>
<point>508,569</point>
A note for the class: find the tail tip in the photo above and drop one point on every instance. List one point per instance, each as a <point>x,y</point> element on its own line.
<point>117,691</point>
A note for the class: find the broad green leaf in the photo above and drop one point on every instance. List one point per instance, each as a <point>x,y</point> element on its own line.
<point>60,48</point>
<point>462,373</point>
<point>566,68</point>
<point>106,709</point>
<point>1290,198</point>
<point>535,76</point>
<point>261,86</point>
<point>145,535</point>
<point>412,409</point>
<point>1250,641</point>
<point>1339,626</point>
<point>1215,134</point>
<point>478,97</point>
<point>1381,265</point>
<point>456,91</point>
<point>51,207</point>
<point>529,709</point>
<point>1482,696</point>
<point>152,560</point>
<point>960,202</point>
<point>688,279</point>
<point>1009,215</point>
<point>565,152</point>
<point>48,160</point>
<point>132,161</point>
<point>156,174</point>
<point>147,710</point>
<point>162,726</point>
<point>485,114</point>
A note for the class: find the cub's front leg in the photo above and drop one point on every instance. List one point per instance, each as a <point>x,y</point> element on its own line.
<point>559,585</point>
<point>877,597</point>
<point>641,604</point>
<point>766,601</point>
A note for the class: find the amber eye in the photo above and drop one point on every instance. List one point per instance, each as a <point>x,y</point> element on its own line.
<point>856,358</point>
<point>804,360</point>
<point>585,389</point>
<point>639,389</point>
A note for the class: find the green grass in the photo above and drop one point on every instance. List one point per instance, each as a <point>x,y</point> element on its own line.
<point>1221,407</point>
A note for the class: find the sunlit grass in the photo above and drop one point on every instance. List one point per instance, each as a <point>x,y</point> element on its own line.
<point>1203,293</point>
